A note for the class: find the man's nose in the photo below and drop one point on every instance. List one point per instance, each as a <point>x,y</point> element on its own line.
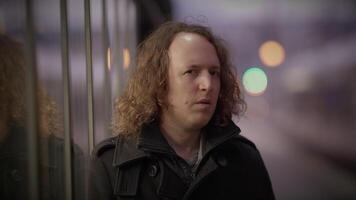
<point>205,82</point>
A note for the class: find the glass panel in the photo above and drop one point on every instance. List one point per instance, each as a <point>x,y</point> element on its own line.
<point>113,47</point>
<point>101,65</point>
<point>47,20</point>
<point>13,165</point>
<point>79,105</point>
<point>13,137</point>
<point>50,76</point>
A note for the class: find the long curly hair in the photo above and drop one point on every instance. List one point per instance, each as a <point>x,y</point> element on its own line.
<point>145,94</point>
<point>12,92</point>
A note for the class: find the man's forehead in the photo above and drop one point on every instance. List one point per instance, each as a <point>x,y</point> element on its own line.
<point>187,36</point>
<point>190,46</point>
<point>188,40</point>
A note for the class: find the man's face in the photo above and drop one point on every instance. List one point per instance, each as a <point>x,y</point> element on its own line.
<point>193,82</point>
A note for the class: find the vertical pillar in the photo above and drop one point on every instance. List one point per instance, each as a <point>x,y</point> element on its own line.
<point>107,66</point>
<point>31,105</point>
<point>66,99</point>
<point>89,65</point>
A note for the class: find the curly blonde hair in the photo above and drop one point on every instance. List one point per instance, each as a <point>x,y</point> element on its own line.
<point>12,90</point>
<point>145,93</point>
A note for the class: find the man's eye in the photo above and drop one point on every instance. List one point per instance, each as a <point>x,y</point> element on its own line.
<point>189,71</point>
<point>215,73</point>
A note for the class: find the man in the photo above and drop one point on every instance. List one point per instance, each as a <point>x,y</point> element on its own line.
<point>175,137</point>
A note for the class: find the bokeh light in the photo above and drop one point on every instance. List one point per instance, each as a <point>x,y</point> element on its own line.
<point>108,57</point>
<point>254,81</point>
<point>272,53</point>
<point>126,57</point>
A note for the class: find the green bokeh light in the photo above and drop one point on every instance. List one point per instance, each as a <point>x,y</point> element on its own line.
<point>255,81</point>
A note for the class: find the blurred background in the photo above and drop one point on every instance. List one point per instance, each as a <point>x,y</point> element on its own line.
<point>296,61</point>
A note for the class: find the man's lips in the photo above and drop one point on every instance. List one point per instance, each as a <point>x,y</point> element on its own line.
<point>204,104</point>
<point>203,101</point>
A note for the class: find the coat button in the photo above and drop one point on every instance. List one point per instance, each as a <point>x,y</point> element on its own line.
<point>16,175</point>
<point>152,170</point>
<point>221,160</point>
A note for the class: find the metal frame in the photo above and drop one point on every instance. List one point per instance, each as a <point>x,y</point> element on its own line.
<point>31,105</point>
<point>107,79</point>
<point>89,65</point>
<point>66,99</point>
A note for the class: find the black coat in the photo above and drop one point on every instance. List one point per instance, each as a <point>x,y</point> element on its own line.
<point>231,168</point>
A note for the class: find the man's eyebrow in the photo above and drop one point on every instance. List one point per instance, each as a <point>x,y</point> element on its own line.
<point>198,66</point>
<point>216,67</point>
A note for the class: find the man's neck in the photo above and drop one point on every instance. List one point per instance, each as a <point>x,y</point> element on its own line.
<point>184,142</point>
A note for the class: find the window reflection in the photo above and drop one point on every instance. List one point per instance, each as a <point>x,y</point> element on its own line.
<point>13,148</point>
<point>12,133</point>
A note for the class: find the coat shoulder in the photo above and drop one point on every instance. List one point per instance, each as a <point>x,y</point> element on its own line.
<point>241,140</point>
<point>105,146</point>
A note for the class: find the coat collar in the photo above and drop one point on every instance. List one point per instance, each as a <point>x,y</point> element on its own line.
<point>216,135</point>
<point>129,150</point>
<point>126,152</point>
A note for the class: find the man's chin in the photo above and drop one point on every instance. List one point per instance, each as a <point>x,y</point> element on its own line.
<point>199,123</point>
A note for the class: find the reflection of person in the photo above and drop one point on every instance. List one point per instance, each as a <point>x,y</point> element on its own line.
<point>13,152</point>
<point>175,137</point>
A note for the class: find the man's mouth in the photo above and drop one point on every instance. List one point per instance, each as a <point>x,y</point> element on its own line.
<point>204,101</point>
